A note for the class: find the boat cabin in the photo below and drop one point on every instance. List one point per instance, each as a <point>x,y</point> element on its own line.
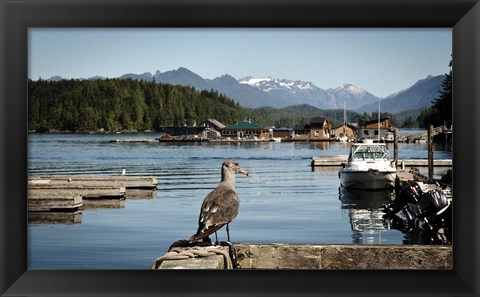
<point>368,151</point>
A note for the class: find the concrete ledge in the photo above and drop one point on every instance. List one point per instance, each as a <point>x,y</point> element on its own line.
<point>297,256</point>
<point>212,262</point>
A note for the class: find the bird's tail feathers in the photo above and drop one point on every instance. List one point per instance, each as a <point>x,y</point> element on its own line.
<point>203,233</point>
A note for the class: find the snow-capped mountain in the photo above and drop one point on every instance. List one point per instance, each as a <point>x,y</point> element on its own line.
<point>269,84</point>
<point>349,89</point>
<point>300,92</point>
<point>246,95</point>
<point>253,92</point>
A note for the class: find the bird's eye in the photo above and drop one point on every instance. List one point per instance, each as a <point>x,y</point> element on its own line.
<point>236,163</point>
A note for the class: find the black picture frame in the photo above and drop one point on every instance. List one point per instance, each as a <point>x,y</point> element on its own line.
<point>17,16</point>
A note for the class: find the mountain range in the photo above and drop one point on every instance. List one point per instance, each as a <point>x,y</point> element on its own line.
<point>254,92</point>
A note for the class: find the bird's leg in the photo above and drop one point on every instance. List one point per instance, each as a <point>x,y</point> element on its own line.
<point>216,237</point>
<point>231,249</point>
<point>228,234</point>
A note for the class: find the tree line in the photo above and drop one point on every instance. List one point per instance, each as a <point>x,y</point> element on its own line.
<point>122,104</point>
<point>133,105</point>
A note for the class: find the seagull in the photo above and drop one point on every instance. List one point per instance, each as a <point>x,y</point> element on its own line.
<point>220,206</point>
<point>123,171</point>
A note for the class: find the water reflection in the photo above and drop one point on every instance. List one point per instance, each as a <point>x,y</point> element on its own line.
<point>365,210</point>
<point>140,194</point>
<point>103,203</point>
<point>35,217</point>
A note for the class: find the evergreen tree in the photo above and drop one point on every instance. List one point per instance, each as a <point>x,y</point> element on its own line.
<point>122,104</point>
<point>441,111</point>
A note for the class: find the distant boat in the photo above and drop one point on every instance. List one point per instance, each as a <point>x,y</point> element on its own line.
<point>368,167</point>
<point>342,138</point>
<point>275,139</point>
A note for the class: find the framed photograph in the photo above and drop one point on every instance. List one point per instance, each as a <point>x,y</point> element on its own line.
<point>26,25</point>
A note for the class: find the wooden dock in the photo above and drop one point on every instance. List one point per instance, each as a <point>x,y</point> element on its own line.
<point>51,200</point>
<point>127,181</point>
<point>424,163</point>
<point>338,160</point>
<point>61,198</point>
<point>142,140</point>
<point>329,160</point>
<point>84,191</point>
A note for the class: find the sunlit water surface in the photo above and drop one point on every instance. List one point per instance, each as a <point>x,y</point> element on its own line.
<point>282,201</point>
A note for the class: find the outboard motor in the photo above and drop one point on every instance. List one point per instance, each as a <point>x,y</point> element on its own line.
<point>424,217</point>
<point>409,194</point>
<point>431,203</point>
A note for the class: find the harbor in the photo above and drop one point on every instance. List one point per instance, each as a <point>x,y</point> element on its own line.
<point>173,170</point>
<point>421,204</point>
<point>282,193</point>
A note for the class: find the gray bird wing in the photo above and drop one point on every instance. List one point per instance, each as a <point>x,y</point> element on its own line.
<point>220,207</point>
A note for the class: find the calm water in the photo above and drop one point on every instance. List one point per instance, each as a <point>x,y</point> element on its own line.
<point>282,201</point>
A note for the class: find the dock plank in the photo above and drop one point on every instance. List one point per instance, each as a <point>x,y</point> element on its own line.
<point>424,163</point>
<point>129,182</point>
<point>84,191</point>
<point>47,200</point>
<point>338,160</point>
<point>329,160</point>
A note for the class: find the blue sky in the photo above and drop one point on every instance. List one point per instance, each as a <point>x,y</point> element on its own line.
<point>382,61</point>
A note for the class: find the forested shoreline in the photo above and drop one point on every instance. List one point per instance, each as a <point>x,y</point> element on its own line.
<point>122,105</point>
<point>79,105</point>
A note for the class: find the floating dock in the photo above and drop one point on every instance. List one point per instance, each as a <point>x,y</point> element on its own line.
<point>61,198</point>
<point>329,161</point>
<point>325,257</point>
<point>53,200</point>
<point>127,181</point>
<point>141,140</point>
<point>338,160</point>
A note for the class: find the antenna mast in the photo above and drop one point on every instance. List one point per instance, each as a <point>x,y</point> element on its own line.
<point>378,136</point>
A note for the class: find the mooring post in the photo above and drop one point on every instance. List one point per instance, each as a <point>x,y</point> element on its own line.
<point>430,151</point>
<point>395,146</point>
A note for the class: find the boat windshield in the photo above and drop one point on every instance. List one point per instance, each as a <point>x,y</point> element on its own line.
<point>369,152</point>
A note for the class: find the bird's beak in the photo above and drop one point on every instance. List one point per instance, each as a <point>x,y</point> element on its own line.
<point>243,171</point>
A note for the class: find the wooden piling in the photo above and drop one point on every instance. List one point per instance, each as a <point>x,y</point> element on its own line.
<point>395,146</point>
<point>430,151</point>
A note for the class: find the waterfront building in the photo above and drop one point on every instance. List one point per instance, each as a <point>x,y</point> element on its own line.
<point>370,129</point>
<point>348,129</point>
<point>317,129</point>
<point>245,130</point>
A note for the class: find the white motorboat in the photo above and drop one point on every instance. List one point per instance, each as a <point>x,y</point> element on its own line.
<point>368,167</point>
